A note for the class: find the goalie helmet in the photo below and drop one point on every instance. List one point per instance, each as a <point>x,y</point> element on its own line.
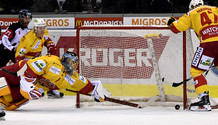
<point>69,61</point>
<point>195,3</point>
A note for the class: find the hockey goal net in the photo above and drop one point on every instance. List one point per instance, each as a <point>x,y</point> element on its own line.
<point>131,60</point>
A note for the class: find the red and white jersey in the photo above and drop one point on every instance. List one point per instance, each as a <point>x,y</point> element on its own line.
<point>12,35</point>
<point>204,21</point>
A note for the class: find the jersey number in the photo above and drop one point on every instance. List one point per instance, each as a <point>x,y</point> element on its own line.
<point>206,20</point>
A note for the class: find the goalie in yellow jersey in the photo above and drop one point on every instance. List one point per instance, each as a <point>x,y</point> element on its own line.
<point>204,20</point>
<point>48,73</point>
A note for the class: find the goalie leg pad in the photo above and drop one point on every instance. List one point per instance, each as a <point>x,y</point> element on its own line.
<point>99,91</point>
<point>4,91</point>
<point>10,105</point>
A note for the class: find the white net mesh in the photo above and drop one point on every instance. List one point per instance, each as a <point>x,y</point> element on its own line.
<point>120,58</point>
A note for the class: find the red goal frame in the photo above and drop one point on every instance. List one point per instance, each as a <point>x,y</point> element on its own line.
<point>139,28</point>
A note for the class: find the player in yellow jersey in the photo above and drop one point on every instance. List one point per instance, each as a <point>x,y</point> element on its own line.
<point>204,20</point>
<point>31,46</point>
<point>48,73</point>
<point>32,43</point>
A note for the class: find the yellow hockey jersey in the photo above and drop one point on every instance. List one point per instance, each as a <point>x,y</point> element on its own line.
<point>204,21</point>
<point>30,45</point>
<point>51,76</point>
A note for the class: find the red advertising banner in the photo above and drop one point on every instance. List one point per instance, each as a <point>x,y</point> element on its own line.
<point>98,21</point>
<point>107,57</point>
<point>5,22</point>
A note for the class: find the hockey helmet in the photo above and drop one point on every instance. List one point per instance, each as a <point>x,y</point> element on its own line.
<point>39,22</point>
<point>70,61</point>
<point>25,13</point>
<point>195,3</point>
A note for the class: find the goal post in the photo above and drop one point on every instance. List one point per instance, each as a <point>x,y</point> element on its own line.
<point>121,58</point>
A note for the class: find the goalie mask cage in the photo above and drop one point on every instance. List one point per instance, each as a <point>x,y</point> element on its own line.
<point>131,69</point>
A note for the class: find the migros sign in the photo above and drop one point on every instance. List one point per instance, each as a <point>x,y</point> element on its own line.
<point>146,21</point>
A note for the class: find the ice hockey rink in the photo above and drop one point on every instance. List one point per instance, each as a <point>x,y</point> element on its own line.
<point>63,112</point>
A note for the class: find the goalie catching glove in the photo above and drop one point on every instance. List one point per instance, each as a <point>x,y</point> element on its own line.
<point>99,91</point>
<point>170,21</point>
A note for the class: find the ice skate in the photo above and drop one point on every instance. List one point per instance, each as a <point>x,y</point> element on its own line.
<point>54,94</point>
<point>202,105</point>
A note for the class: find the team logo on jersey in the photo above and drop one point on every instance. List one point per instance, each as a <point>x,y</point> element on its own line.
<point>55,70</point>
<point>82,78</point>
<point>22,51</point>
<point>205,62</point>
<point>37,45</point>
<point>46,83</point>
<point>69,79</point>
<point>46,37</point>
<point>38,65</point>
<point>197,56</point>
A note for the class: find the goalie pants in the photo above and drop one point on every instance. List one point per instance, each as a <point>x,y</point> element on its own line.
<point>13,82</point>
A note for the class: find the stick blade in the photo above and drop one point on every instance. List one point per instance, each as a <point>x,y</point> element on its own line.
<point>149,102</point>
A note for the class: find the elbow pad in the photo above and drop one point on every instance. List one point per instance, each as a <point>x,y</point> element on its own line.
<point>7,43</point>
<point>52,48</point>
<point>18,58</point>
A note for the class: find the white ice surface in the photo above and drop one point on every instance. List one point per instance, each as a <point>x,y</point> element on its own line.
<point>63,112</point>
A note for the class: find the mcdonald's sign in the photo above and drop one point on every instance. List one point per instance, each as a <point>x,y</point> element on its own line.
<point>84,21</point>
<point>78,23</point>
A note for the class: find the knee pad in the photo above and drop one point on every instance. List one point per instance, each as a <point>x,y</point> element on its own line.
<point>196,72</point>
<point>5,91</point>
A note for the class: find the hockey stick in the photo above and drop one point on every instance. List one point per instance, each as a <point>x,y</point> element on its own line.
<point>176,84</point>
<point>122,102</point>
<point>7,71</point>
<point>112,100</point>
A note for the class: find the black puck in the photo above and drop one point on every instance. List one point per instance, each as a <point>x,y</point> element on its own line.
<point>177,107</point>
<point>2,113</point>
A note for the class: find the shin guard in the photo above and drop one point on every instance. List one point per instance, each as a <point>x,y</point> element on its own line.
<point>200,84</point>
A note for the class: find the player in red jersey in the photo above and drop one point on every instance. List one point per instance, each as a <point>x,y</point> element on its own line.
<point>12,36</point>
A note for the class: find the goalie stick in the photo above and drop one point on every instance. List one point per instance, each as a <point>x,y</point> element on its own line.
<point>122,102</point>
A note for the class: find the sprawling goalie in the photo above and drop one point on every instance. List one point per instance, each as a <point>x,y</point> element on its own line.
<point>48,73</point>
<point>204,20</point>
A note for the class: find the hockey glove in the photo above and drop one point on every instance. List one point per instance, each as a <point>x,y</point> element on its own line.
<point>170,21</point>
<point>99,91</point>
<point>32,94</point>
<point>28,89</point>
<point>35,94</point>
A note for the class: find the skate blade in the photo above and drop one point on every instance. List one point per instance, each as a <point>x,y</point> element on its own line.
<point>54,97</point>
<point>200,108</point>
<point>2,118</point>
